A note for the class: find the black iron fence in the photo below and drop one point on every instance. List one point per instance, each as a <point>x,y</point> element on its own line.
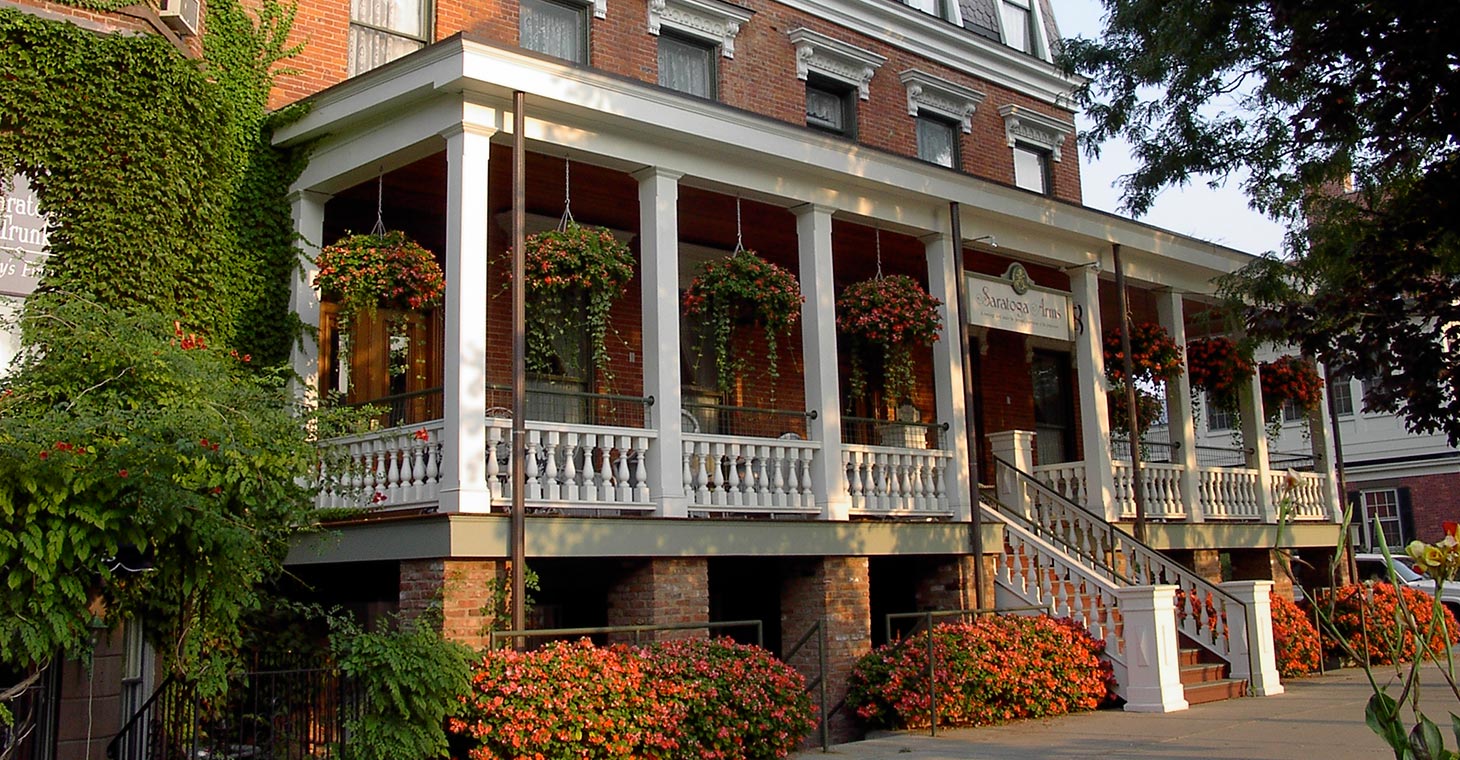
<point>866,431</point>
<point>727,419</point>
<point>1163,452</point>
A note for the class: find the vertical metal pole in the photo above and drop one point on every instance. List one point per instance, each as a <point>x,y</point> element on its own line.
<point>821,657</point>
<point>1341,485</point>
<point>960,313</point>
<point>1132,410</point>
<point>519,366</point>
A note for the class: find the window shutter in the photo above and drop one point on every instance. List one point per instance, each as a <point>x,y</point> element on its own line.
<point>1357,517</point>
<point>1406,517</point>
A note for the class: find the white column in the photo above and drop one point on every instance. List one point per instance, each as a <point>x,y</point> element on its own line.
<point>1153,670</point>
<point>818,350</point>
<point>1254,443</point>
<point>307,209</point>
<point>1090,381</point>
<point>1325,459</point>
<point>1017,448</point>
<point>1254,655</point>
<point>1179,419</point>
<point>659,296</point>
<point>948,372</point>
<point>464,437</point>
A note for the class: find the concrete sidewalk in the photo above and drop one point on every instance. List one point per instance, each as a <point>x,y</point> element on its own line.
<point>1318,718</point>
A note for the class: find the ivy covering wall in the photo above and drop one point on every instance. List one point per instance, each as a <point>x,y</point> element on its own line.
<point>156,170</point>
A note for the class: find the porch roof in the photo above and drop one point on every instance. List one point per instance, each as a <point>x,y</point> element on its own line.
<point>396,114</point>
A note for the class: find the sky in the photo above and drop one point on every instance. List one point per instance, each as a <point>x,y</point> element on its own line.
<point>1220,216</point>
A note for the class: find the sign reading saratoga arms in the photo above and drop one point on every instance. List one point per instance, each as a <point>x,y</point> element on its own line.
<point>1015,304</point>
<point>23,237</point>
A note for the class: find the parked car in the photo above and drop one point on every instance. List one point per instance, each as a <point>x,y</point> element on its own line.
<point>1373,567</point>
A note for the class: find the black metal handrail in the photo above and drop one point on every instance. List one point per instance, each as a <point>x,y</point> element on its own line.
<point>729,419</point>
<point>817,632</point>
<point>859,430</point>
<point>493,637</point>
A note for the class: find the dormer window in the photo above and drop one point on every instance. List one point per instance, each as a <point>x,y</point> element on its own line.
<point>1017,18</point>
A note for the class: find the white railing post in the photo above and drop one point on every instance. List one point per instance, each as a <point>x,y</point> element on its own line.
<point>1181,423</point>
<point>1017,448</point>
<point>948,374</point>
<point>307,209</point>
<point>659,297</point>
<point>1254,442</point>
<point>1153,671</point>
<point>1254,656</point>
<point>818,351</point>
<point>1090,381</point>
<point>464,438</point>
<point>1324,458</point>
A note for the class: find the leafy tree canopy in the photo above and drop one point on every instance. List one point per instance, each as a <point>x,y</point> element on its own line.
<point>1310,98</point>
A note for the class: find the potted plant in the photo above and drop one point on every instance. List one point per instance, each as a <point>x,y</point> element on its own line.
<point>365,272</point>
<point>743,290</point>
<point>1155,357</point>
<point>1285,379</point>
<point>883,319</point>
<point>573,276</point>
<point>1219,367</point>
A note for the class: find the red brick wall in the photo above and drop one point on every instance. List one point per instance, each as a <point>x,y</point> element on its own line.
<point>1434,499</point>
<point>662,591</point>
<point>947,583</point>
<point>91,701</point>
<point>837,589</point>
<point>464,590</point>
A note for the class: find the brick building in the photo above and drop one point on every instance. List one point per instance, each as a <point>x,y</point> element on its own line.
<point>840,139</point>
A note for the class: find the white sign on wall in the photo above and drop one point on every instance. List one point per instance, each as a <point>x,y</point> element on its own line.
<point>24,243</point>
<point>1015,304</point>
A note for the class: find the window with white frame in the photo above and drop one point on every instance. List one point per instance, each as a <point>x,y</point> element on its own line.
<point>937,140</point>
<point>1382,514</point>
<point>138,665</point>
<point>1017,18</point>
<point>1031,168</point>
<point>687,65</point>
<point>1036,140</point>
<point>1291,411</point>
<point>1219,418</point>
<point>941,109</point>
<point>384,30</point>
<point>1341,390</point>
<point>837,75</point>
<point>558,29</point>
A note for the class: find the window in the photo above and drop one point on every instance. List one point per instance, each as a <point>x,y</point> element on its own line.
<point>1382,513</point>
<point>1219,418</point>
<point>384,30</point>
<point>935,7</point>
<point>1341,390</point>
<point>831,107</point>
<point>138,665</point>
<point>1017,17</point>
<point>556,29</point>
<point>1031,168</point>
<point>687,65</point>
<point>1291,412</point>
<point>937,140</point>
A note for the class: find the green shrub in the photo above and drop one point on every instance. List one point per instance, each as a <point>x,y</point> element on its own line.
<point>998,668</point>
<point>1371,623</point>
<point>1294,638</point>
<point>693,699</point>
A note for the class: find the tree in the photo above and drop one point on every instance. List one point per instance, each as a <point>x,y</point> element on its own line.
<point>1343,117</point>
<point>147,476</point>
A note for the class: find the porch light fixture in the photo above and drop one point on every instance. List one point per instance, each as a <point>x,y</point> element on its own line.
<point>988,240</point>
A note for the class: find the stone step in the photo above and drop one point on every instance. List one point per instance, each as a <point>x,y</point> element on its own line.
<point>1203,673</point>
<point>1215,691</point>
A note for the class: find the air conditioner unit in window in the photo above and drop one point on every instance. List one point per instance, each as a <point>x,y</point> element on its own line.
<point>181,15</point>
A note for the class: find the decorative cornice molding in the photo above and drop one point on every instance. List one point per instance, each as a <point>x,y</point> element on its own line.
<point>711,20</point>
<point>1023,125</point>
<point>927,92</point>
<point>833,58</point>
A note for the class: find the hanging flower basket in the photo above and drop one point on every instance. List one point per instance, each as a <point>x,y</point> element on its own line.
<point>1154,355</point>
<point>1289,378</point>
<point>573,276</point>
<point>1218,367</point>
<point>886,317</point>
<point>1148,411</point>
<point>366,272</point>
<point>747,290</point>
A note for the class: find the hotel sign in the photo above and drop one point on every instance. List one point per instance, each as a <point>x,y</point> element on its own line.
<point>23,238</point>
<point>1015,304</point>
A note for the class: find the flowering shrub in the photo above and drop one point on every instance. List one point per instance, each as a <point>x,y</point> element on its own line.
<point>567,269</point>
<point>1368,618</point>
<point>1289,378</point>
<point>1218,366</point>
<point>888,316</point>
<point>691,699</point>
<point>743,289</point>
<point>1154,355</point>
<point>1294,638</point>
<point>998,668</point>
<point>363,272</point>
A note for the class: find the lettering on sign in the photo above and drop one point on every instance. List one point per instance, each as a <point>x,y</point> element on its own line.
<point>24,238</point>
<point>1015,304</point>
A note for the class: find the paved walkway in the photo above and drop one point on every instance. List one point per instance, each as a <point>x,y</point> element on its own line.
<point>1318,718</point>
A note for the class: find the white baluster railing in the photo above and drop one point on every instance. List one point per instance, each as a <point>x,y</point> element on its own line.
<point>1066,479</point>
<point>889,481</point>
<point>743,475</point>
<point>1306,494</point>
<point>1162,484</point>
<point>384,469</point>
<point>572,467</point>
<point>1229,493</point>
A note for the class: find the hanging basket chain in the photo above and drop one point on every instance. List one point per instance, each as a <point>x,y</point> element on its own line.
<point>379,229</point>
<point>567,196</point>
<point>739,241</point>
<point>878,232</point>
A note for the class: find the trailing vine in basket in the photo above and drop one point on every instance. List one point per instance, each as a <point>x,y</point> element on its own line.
<point>744,289</point>
<point>574,275</point>
<point>389,270</point>
<point>886,317</point>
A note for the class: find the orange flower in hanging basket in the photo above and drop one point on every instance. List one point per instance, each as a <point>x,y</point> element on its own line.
<point>366,272</point>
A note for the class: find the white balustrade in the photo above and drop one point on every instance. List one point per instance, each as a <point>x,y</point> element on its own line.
<point>885,480</point>
<point>1305,494</point>
<point>743,475</point>
<point>1229,493</point>
<point>591,467</point>
<point>1066,479</point>
<point>384,469</point>
<point>1162,484</point>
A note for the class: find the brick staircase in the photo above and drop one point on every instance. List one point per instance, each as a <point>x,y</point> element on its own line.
<point>1204,676</point>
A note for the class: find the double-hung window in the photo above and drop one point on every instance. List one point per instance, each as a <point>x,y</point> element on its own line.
<point>1031,168</point>
<point>687,64</point>
<point>1017,17</point>
<point>558,29</point>
<point>384,30</point>
<point>1341,390</point>
<point>831,107</point>
<point>937,140</point>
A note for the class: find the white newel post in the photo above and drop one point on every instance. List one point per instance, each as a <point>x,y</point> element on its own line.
<point>307,209</point>
<point>1254,444</point>
<point>1090,379</point>
<point>1325,460</point>
<point>1180,421</point>
<point>1153,670</point>
<point>1017,448</point>
<point>464,389</point>
<point>818,347</point>
<point>1254,656</point>
<point>948,373</point>
<point>659,297</point>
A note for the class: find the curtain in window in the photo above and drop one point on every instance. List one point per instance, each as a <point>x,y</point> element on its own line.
<point>686,66</point>
<point>936,141</point>
<point>384,30</point>
<point>1029,169</point>
<point>825,109</point>
<point>552,29</point>
<point>1016,16</point>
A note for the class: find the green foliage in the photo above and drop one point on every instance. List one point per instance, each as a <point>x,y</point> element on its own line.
<point>411,678</point>
<point>1294,638</point>
<point>883,318</point>
<point>125,436</point>
<point>1372,623</point>
<point>997,668</point>
<point>744,289</point>
<point>574,275</point>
